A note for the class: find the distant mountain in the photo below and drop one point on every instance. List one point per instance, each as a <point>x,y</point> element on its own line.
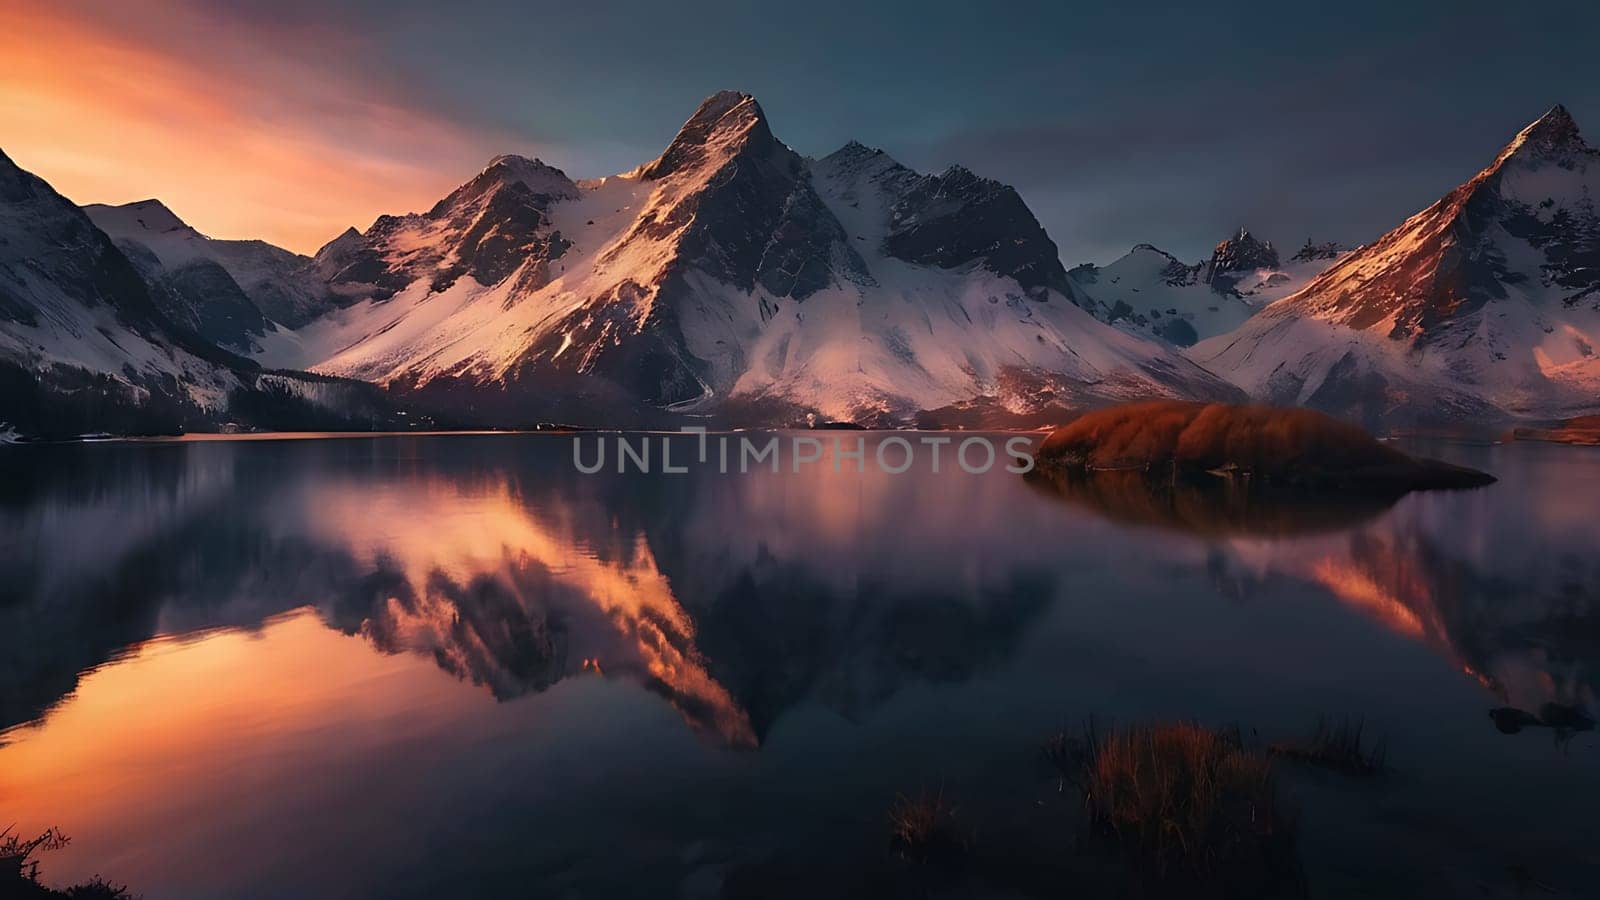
<point>1151,292</point>
<point>1237,259</point>
<point>729,276</point>
<point>229,291</point>
<point>86,347</point>
<point>1484,306</point>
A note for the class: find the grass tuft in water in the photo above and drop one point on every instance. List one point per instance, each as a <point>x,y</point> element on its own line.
<point>1188,807</point>
<point>1340,747</point>
<point>923,828</point>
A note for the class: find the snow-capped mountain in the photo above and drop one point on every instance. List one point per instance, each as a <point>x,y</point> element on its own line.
<point>1151,292</point>
<point>231,292</point>
<point>1485,305</point>
<point>85,345</point>
<point>729,275</point>
<point>77,320</point>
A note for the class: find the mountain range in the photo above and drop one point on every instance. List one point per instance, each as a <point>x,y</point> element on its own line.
<point>729,276</point>
<point>1151,292</point>
<point>731,280</point>
<point>88,342</point>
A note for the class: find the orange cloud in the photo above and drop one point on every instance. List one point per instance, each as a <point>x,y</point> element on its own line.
<point>289,136</point>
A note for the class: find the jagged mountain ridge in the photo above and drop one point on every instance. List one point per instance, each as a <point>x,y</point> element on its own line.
<point>1152,293</point>
<point>1484,306</point>
<point>483,229</point>
<point>728,273</point>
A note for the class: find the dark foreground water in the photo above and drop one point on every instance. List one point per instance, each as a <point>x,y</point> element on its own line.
<point>450,666</point>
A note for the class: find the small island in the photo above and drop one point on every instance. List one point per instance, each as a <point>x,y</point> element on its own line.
<point>1266,446</point>
<point>1583,431</point>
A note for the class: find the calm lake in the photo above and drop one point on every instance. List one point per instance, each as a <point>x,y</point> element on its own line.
<point>450,666</point>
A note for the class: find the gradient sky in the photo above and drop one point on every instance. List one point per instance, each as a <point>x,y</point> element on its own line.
<point>1119,123</point>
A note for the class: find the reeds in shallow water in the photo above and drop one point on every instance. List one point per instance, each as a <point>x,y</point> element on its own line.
<point>1188,807</point>
<point>1340,747</point>
<point>923,828</point>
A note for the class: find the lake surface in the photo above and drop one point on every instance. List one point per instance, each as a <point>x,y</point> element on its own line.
<point>424,666</point>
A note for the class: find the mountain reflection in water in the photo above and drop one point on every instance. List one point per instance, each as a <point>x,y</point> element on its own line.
<point>266,623</point>
<point>1531,638</point>
<point>513,575</point>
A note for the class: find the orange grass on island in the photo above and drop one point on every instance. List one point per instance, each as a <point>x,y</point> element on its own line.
<point>1274,446</point>
<point>1583,430</point>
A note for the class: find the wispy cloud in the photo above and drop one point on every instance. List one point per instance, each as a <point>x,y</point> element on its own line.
<point>247,127</point>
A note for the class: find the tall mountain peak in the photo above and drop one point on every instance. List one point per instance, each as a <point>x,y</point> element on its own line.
<point>514,159</point>
<point>854,152</point>
<point>725,123</point>
<point>1244,252</point>
<point>538,176</point>
<point>535,174</point>
<point>1553,137</point>
<point>856,157</point>
<point>1555,126</point>
<point>347,240</point>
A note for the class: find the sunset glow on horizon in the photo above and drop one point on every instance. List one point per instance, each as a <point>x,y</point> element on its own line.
<point>283,133</point>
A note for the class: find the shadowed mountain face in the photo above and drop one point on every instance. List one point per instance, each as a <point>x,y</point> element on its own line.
<point>952,219</point>
<point>84,345</point>
<point>226,290</point>
<point>93,342</point>
<point>201,296</point>
<point>748,213</point>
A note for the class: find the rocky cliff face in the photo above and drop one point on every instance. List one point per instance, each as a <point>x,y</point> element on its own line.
<point>1237,256</point>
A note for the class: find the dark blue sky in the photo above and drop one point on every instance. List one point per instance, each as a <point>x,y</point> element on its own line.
<point>1166,123</point>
